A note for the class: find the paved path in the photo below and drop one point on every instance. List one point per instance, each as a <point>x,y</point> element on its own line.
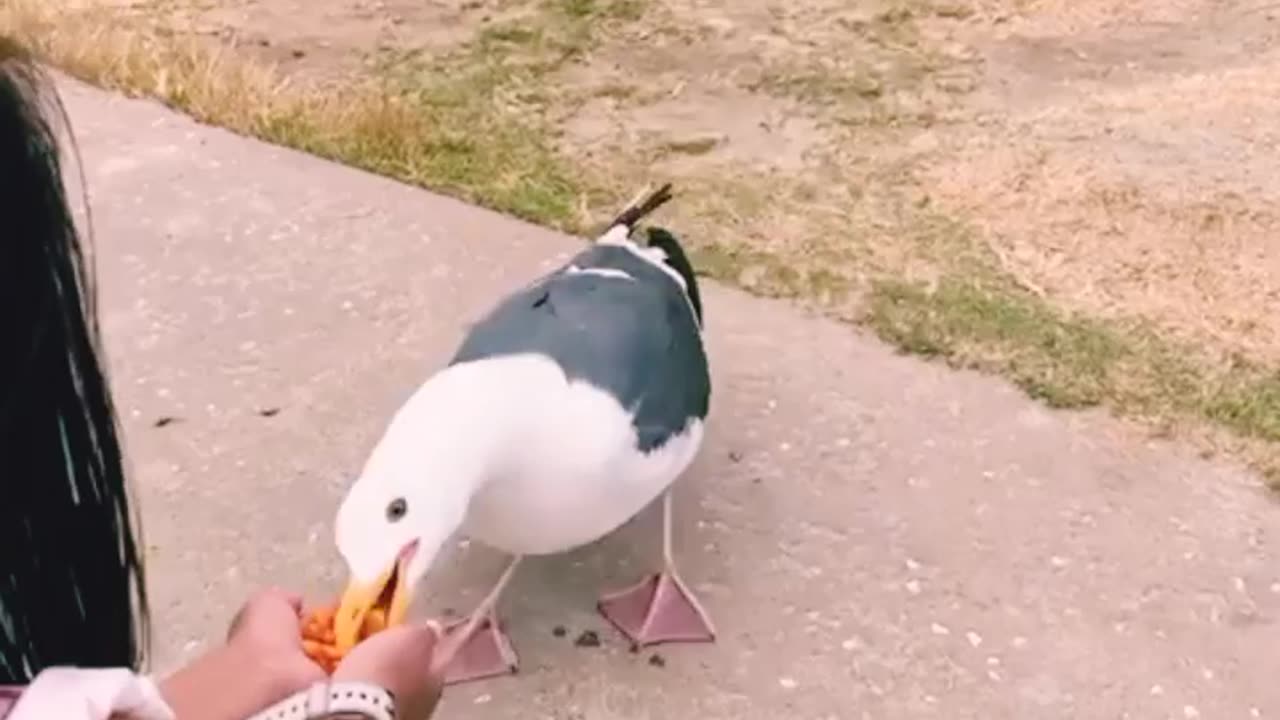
<point>876,537</point>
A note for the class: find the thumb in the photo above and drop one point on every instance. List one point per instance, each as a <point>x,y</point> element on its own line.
<point>429,634</point>
<point>423,643</point>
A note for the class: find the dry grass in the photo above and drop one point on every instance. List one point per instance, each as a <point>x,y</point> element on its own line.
<point>975,316</point>
<point>856,232</point>
<point>439,135</point>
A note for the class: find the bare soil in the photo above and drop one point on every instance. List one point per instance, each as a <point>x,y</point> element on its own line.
<point>1114,156</point>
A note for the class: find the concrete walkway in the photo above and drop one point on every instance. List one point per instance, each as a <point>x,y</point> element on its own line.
<point>875,537</point>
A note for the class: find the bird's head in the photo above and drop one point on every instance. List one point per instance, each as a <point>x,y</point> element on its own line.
<point>389,530</point>
<point>411,496</point>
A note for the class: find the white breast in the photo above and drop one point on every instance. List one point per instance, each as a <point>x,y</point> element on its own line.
<point>570,473</point>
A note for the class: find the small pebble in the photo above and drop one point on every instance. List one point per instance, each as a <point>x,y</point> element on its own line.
<point>559,631</point>
<point>588,638</point>
<point>269,412</point>
<point>163,421</point>
<point>657,660</point>
<point>735,456</point>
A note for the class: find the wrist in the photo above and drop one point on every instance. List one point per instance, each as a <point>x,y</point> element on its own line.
<point>226,683</point>
<point>192,690</point>
<point>334,701</point>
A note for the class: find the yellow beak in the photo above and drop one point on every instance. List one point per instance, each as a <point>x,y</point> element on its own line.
<point>383,603</point>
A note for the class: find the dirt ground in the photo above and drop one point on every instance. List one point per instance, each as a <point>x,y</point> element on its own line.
<point>1112,155</point>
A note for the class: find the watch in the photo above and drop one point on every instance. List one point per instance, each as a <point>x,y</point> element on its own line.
<point>325,699</point>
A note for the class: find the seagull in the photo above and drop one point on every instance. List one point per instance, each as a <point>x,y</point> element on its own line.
<point>571,406</point>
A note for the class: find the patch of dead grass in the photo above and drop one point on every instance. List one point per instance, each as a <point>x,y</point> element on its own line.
<point>446,135</point>
<point>1168,221</point>
<point>975,316</point>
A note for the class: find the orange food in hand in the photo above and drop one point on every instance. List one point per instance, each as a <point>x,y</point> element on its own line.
<point>319,642</point>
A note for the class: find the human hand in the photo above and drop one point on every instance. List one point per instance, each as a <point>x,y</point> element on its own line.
<point>267,629</point>
<point>399,659</point>
<point>261,664</point>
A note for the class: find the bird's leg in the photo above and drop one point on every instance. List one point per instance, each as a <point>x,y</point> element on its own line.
<point>475,647</point>
<point>661,608</point>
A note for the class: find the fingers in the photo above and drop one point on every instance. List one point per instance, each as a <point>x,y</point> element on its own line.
<point>294,601</point>
<point>404,646</point>
<point>272,599</point>
<point>429,634</point>
<point>426,639</point>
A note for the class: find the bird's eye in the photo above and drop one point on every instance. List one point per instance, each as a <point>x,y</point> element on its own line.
<point>397,509</point>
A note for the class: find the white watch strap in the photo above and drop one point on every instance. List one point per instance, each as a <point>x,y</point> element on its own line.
<point>322,700</point>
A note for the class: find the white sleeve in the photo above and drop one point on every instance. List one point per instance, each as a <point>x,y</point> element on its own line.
<point>69,693</point>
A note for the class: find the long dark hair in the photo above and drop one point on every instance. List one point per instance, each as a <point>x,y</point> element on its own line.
<point>71,581</point>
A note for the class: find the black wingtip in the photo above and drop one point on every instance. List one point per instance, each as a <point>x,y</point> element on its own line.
<point>643,206</point>
<point>678,259</point>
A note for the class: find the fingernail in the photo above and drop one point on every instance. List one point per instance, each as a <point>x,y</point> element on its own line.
<point>435,628</point>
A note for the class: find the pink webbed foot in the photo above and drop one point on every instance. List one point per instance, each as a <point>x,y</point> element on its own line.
<point>483,653</point>
<point>659,609</point>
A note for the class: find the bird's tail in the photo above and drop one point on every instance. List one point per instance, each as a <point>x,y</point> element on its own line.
<point>640,207</point>
<point>669,249</point>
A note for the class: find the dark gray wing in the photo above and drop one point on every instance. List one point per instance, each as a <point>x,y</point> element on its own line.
<point>636,338</point>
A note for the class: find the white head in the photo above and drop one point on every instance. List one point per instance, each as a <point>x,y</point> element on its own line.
<point>410,498</point>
